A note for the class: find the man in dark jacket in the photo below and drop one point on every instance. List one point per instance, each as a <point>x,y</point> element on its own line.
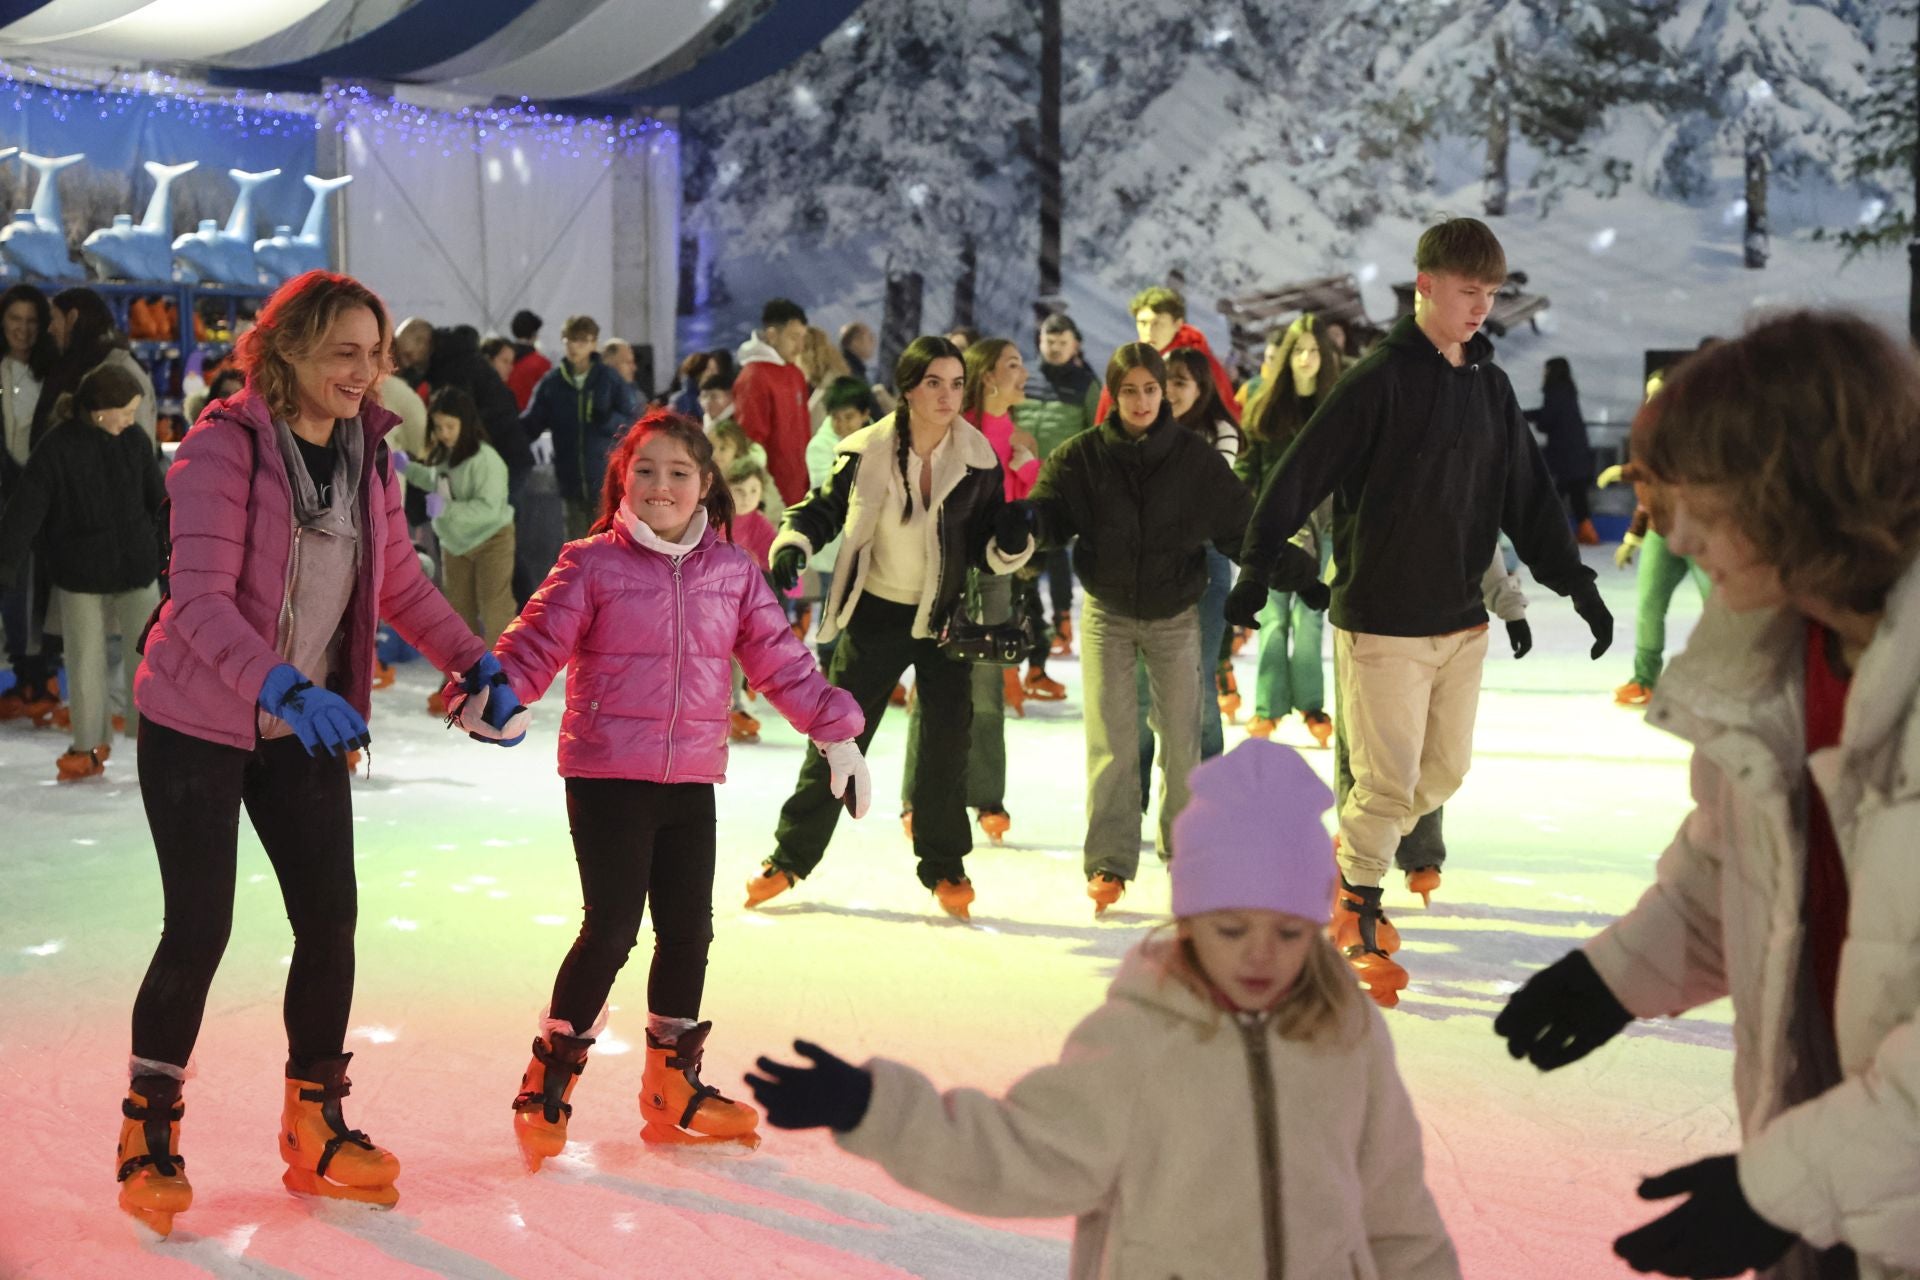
<point>583,406</point>
<point>1139,497</point>
<point>1062,394</point>
<point>1425,453</point>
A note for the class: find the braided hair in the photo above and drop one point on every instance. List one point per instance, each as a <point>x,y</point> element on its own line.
<point>909,372</point>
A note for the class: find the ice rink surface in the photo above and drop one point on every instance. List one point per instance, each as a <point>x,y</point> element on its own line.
<point>468,899</point>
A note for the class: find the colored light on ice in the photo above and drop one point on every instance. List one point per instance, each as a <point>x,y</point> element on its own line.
<point>550,920</point>
<point>44,949</point>
<point>608,1043</point>
<point>402,924</point>
<point>375,1035</point>
<point>1602,240</point>
<point>84,842</point>
<point>498,893</point>
<point>483,880</point>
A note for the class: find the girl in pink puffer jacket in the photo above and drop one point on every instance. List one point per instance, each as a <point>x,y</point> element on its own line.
<point>648,614</point>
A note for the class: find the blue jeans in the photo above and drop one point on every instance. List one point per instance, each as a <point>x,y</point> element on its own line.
<point>1213,630</point>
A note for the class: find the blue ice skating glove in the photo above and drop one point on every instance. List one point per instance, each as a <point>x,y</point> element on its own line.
<point>318,717</point>
<point>1563,1013</point>
<point>436,506</point>
<point>1245,601</point>
<point>485,705</point>
<point>1715,1232</point>
<point>783,571</point>
<point>1013,527</point>
<point>831,1093</point>
<point>399,461</point>
<point>1593,611</point>
<point>1520,636</point>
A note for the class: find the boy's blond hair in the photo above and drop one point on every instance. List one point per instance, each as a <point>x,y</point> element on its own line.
<point>1323,1007</point>
<point>580,327</point>
<point>1462,247</point>
<point>1809,425</point>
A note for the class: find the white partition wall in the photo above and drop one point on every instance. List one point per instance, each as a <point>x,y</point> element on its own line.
<point>469,229</point>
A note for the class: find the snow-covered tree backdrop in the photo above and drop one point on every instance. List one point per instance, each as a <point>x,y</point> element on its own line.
<point>1658,168</point>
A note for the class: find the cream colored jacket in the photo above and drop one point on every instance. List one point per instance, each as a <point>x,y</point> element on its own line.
<point>1724,918</point>
<point>1186,1142</point>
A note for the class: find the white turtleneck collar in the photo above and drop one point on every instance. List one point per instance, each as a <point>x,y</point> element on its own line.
<point>640,532</point>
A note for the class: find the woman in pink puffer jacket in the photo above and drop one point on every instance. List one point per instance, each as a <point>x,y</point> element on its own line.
<point>648,614</point>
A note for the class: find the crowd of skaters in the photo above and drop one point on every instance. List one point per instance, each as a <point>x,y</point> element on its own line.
<point>798,504</point>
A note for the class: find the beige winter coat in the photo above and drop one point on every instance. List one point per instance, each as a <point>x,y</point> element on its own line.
<point>1724,918</point>
<point>1161,1126</point>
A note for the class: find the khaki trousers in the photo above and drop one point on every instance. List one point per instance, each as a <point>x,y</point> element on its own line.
<point>1111,647</point>
<point>89,622</point>
<point>1407,705</point>
<point>479,585</point>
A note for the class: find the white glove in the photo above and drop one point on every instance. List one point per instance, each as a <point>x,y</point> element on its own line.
<point>542,450</point>
<point>471,716</point>
<point>847,776</point>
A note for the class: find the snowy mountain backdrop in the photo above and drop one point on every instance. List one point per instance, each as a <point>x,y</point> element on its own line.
<point>1659,168</point>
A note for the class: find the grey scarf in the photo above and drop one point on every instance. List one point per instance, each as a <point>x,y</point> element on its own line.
<point>349,449</point>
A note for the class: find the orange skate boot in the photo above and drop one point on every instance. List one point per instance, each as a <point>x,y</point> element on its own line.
<point>541,1110</point>
<point>1633,694</point>
<point>383,678</point>
<point>769,884</point>
<point>72,766</point>
<point>994,824</point>
<point>1041,687</point>
<point>679,1110</point>
<point>1363,934</point>
<point>1262,727</point>
<point>1320,725</point>
<point>1229,693</point>
<point>153,1173</point>
<point>1105,890</point>
<point>324,1157</point>
<point>742,727</point>
<point>955,897</point>
<point>1013,692</point>
<point>1062,646</point>
<point>1423,881</point>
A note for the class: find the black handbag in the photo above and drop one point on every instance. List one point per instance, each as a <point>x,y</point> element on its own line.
<point>966,637</point>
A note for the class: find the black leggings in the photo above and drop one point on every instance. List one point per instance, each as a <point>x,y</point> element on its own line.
<point>631,838</point>
<point>301,807</point>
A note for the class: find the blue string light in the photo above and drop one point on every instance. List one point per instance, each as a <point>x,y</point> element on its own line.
<point>382,120</point>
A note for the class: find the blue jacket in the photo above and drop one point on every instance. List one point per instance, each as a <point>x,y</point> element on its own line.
<point>587,421</point>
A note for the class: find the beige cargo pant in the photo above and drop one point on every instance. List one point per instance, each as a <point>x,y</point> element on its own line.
<point>1409,706</point>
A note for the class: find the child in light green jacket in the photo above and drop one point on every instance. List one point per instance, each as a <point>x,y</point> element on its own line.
<point>466,485</point>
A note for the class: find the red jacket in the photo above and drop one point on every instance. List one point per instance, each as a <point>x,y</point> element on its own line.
<point>770,404</point>
<point>525,376</point>
<point>1188,336</point>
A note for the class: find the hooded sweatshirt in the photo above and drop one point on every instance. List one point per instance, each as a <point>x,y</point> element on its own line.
<point>770,404</point>
<point>1427,464</point>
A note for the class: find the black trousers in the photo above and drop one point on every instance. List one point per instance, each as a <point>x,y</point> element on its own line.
<point>301,807</point>
<point>633,839</point>
<point>1573,493</point>
<point>873,653</point>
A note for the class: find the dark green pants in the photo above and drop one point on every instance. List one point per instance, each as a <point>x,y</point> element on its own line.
<point>872,654</point>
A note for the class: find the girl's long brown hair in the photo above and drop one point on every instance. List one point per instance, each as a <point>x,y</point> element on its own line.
<point>1275,413</point>
<point>656,421</point>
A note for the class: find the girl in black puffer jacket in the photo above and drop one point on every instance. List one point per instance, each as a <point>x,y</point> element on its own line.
<point>1145,497</point>
<point>89,503</point>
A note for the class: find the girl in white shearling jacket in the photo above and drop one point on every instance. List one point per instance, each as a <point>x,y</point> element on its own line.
<point>1232,1110</point>
<point>1792,461</point>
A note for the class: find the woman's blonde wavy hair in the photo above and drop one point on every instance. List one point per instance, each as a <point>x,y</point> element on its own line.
<point>291,327</point>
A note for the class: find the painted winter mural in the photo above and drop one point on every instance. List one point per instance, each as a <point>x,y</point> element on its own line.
<point>1657,167</point>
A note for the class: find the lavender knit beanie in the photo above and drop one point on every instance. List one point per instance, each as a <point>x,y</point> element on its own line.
<point>1253,838</point>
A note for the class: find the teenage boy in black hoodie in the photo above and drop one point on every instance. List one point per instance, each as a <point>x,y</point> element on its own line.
<point>1427,457</point>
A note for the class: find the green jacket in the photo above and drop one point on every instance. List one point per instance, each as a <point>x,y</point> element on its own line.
<point>1059,406</point>
<point>476,493</point>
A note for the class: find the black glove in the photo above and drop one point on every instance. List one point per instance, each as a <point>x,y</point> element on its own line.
<point>1563,1013</point>
<point>1593,611</point>
<point>1012,527</point>
<point>1714,1233</point>
<point>1245,601</point>
<point>1520,636</point>
<point>831,1092</point>
<point>783,571</point>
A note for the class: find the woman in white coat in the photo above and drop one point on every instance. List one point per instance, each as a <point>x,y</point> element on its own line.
<point>1232,1110</point>
<point>1792,462</point>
